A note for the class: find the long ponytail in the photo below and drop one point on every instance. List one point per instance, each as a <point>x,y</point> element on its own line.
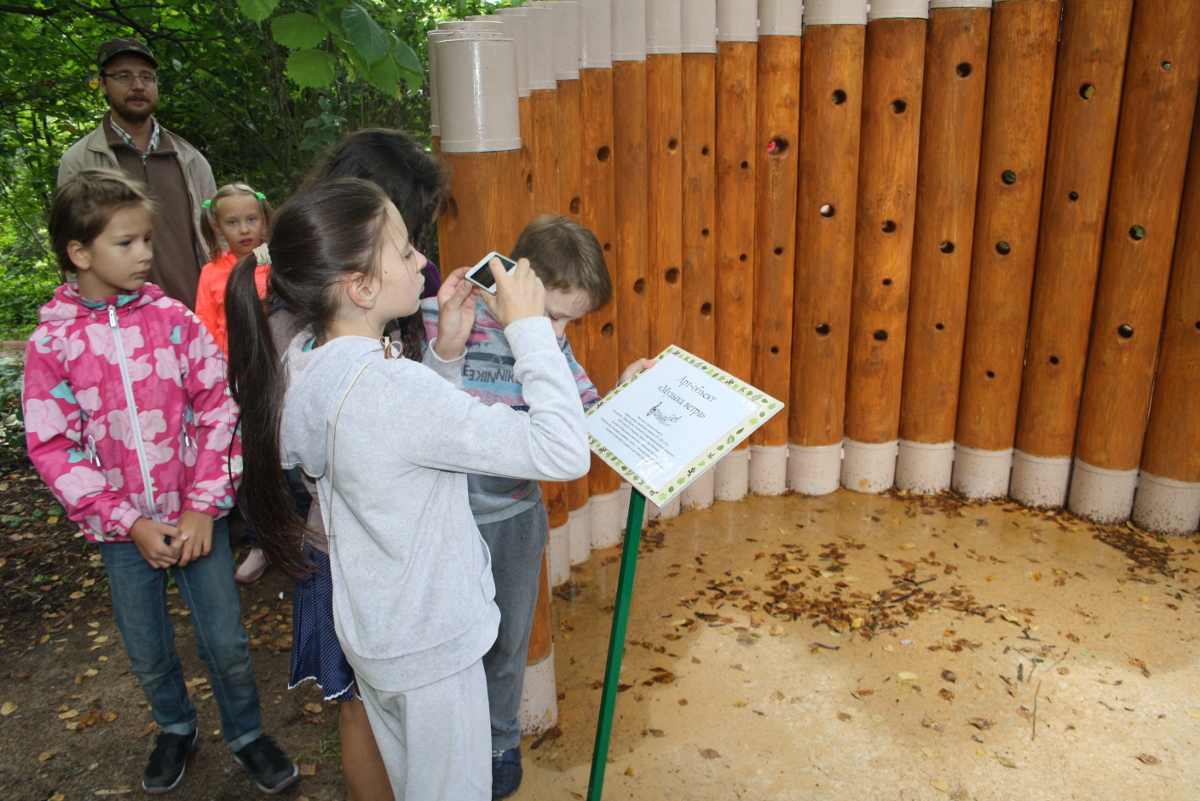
<point>322,236</point>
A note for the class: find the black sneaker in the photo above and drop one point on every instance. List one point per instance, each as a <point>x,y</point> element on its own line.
<point>168,761</point>
<point>272,769</point>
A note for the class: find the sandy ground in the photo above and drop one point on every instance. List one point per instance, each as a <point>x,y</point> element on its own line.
<point>1033,662</point>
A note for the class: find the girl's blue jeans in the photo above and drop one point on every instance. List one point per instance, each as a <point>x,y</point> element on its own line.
<point>206,585</point>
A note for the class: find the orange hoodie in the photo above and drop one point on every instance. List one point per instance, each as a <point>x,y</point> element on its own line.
<point>210,295</point>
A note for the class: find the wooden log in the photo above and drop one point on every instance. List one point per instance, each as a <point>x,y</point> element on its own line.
<point>1168,494</point>
<point>598,214</point>
<point>1143,210</point>
<point>631,172</point>
<point>737,78</point>
<point>893,69</point>
<point>1011,169</point>
<point>830,117</point>
<point>777,152</point>
<point>541,640</point>
<point>1083,133</point>
<point>956,55</point>
<point>543,109</point>
<point>699,200</point>
<point>664,130</point>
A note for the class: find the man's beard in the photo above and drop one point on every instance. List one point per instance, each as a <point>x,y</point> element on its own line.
<point>133,115</point>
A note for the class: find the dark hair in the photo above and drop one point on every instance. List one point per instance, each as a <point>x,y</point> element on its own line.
<point>323,234</point>
<point>83,206</point>
<point>208,215</point>
<point>566,256</point>
<point>416,184</point>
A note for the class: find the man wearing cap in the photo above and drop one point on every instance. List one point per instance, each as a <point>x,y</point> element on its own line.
<point>130,139</point>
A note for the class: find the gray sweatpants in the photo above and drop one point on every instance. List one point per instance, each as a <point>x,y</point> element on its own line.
<point>434,739</point>
<point>516,545</point>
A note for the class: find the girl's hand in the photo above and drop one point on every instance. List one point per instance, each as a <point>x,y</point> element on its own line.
<point>195,530</point>
<point>635,368</point>
<point>158,543</point>
<point>456,314</point>
<point>518,296</point>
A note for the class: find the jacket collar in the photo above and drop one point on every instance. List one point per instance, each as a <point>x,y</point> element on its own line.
<point>68,304</point>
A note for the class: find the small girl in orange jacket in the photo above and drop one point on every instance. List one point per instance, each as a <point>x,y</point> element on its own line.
<point>243,217</point>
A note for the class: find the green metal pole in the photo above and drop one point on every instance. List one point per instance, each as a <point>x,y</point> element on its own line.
<point>616,643</point>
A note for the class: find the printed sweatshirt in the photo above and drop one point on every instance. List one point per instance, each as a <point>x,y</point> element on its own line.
<point>488,374</point>
<point>128,412</point>
<point>210,294</point>
<point>412,579</point>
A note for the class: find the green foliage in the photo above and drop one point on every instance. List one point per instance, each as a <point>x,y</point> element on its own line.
<point>12,427</point>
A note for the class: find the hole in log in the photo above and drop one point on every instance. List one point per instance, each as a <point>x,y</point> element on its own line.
<point>1198,325</point>
<point>704,150</point>
<point>838,97</point>
<point>887,282</point>
<point>827,210</point>
<point>672,145</point>
<point>823,329</point>
<point>1137,232</point>
<point>1009,177</point>
<point>1003,248</point>
<point>639,286</point>
<point>603,154</point>
<point>1087,91</point>
<point>899,106</point>
<point>742,257</point>
<point>704,232</point>
<point>672,275</point>
<point>706,309</point>
<point>1125,331</point>
<point>575,205</point>
<point>774,349</point>
<point>940,326</point>
<point>778,251</point>
<point>889,226</point>
<point>607,247</point>
<point>1072,196</point>
<point>607,331</point>
<point>946,247</point>
<point>777,146</point>
<point>963,69</point>
<point>745,165</point>
<point>881,336</point>
<point>529,182</point>
<point>1166,65</point>
<point>991,374</point>
<point>1054,360</point>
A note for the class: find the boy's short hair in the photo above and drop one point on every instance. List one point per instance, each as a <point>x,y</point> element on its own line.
<point>84,205</point>
<point>566,256</point>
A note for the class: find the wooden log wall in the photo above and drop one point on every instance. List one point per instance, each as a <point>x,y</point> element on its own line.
<point>946,236</point>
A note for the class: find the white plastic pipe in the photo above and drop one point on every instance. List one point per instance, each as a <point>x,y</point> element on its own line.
<point>835,12</point>
<point>664,27</point>
<point>960,4</point>
<point>898,9</point>
<point>629,30</point>
<point>566,62</point>
<point>780,17</point>
<point>432,38</point>
<point>699,26</point>
<point>477,95</point>
<point>595,34</point>
<point>541,47</point>
<point>516,27</point>
<point>481,25</point>
<point>737,21</point>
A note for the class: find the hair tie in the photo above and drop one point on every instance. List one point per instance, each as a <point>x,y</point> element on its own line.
<point>262,254</point>
<point>391,348</point>
<point>260,196</point>
<point>206,204</point>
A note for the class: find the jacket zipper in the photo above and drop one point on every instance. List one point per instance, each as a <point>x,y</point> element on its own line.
<point>134,421</point>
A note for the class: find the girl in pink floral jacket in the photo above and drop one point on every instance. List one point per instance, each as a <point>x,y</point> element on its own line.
<point>129,419</point>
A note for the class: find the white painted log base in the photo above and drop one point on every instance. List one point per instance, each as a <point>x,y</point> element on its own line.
<point>539,697</point>
<point>558,554</point>
<point>608,520</point>
<point>1039,482</point>
<point>981,475</point>
<point>732,479</point>
<point>868,467</point>
<point>1100,495</point>
<point>924,468</point>
<point>700,493</point>
<point>814,469</point>
<point>1166,506</point>
<point>768,469</point>
<point>580,538</point>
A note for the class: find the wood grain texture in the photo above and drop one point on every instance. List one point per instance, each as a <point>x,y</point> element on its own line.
<point>664,131</point>
<point>737,78</point>
<point>1172,448</point>
<point>632,204</point>
<point>1016,127</point>
<point>1083,133</point>
<point>699,204</point>
<point>479,213</point>
<point>543,106</point>
<point>830,119</point>
<point>541,640</point>
<point>598,214</point>
<point>570,157</point>
<point>893,69</point>
<point>777,151</point>
<point>1148,170</point>
<point>956,56</point>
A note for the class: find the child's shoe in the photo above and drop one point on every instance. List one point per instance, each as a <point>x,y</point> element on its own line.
<point>251,569</point>
<point>168,761</point>
<point>506,772</point>
<point>272,769</point>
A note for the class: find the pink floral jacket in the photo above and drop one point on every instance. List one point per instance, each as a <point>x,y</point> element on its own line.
<point>93,367</point>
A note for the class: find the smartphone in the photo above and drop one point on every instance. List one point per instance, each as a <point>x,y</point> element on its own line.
<point>481,274</point>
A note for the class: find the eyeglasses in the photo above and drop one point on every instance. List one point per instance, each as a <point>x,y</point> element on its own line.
<point>127,78</point>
